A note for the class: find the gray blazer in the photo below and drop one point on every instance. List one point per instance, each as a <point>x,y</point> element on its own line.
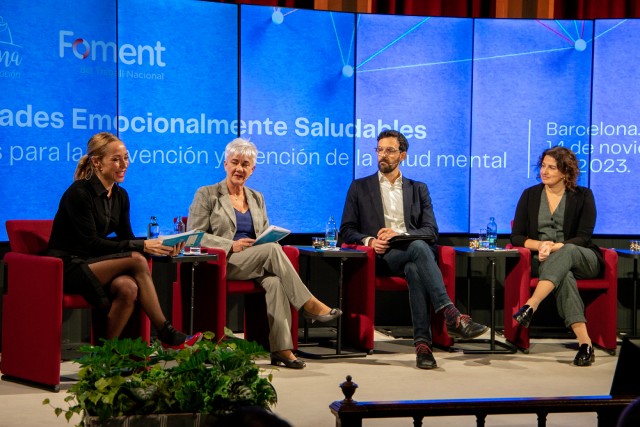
<point>211,211</point>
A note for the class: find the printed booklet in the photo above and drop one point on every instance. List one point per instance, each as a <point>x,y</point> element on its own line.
<point>272,234</point>
<point>191,238</point>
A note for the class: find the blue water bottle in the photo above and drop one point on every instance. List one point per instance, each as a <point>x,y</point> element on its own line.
<point>492,233</point>
<point>331,235</point>
<point>153,229</point>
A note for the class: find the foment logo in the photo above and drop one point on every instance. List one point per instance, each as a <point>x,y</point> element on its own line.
<point>99,50</point>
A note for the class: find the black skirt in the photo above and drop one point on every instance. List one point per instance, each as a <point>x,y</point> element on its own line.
<point>79,279</point>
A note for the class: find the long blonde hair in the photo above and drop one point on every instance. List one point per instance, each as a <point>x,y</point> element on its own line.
<point>96,147</point>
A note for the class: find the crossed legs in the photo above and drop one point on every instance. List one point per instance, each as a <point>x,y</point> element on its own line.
<point>269,265</point>
<point>128,279</point>
<point>562,267</point>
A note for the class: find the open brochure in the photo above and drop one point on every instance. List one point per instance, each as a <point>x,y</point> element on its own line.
<point>190,238</point>
<point>273,233</point>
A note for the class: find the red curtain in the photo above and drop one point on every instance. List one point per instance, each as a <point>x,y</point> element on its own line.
<point>563,9</point>
<point>602,9</point>
<point>457,8</point>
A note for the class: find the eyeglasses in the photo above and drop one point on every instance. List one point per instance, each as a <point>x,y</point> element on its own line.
<point>386,150</point>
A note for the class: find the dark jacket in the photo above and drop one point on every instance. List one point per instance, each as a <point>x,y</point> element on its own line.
<point>84,220</point>
<point>363,213</point>
<point>579,218</point>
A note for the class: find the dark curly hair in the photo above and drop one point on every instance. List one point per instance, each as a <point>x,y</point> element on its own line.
<point>566,162</point>
<point>390,133</point>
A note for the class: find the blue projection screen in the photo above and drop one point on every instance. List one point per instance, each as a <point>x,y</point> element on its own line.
<point>414,74</point>
<point>529,78</point>
<point>478,99</point>
<point>297,104</point>
<point>187,105</point>
<point>614,168</point>
<point>46,76</point>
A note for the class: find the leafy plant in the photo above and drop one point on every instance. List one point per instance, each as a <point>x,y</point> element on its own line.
<point>129,377</point>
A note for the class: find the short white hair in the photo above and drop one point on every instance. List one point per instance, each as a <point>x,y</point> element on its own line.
<point>242,147</point>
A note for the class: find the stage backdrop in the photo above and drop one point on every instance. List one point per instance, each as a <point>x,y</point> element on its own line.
<point>477,99</point>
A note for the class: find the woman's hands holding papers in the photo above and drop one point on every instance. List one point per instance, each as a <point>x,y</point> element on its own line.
<point>155,247</point>
<point>241,244</point>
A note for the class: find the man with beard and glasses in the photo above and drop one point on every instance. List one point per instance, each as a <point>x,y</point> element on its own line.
<point>386,204</point>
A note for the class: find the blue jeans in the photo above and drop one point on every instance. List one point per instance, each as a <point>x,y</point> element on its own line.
<point>416,261</point>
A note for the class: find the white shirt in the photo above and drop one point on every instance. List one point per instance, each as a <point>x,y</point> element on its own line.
<point>392,203</point>
<point>392,207</point>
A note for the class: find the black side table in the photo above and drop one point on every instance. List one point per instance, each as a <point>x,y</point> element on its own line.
<point>507,348</point>
<point>342,255</point>
<point>194,260</point>
<point>626,253</point>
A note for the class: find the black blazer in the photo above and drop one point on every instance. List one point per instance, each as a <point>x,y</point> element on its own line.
<point>363,214</point>
<point>579,218</point>
<point>83,222</point>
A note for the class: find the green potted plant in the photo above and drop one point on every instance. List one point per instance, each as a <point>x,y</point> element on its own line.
<point>129,382</point>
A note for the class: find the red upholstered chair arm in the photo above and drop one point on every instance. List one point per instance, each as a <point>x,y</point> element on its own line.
<point>610,265</point>
<point>220,278</point>
<point>33,278</point>
<point>369,272</point>
<point>32,317</point>
<point>447,265</point>
<point>371,255</point>
<point>294,256</point>
<point>359,299</point>
<point>29,236</point>
<point>221,262</point>
<point>517,290</point>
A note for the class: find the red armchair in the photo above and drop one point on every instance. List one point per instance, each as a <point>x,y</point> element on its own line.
<point>211,291</point>
<point>360,298</point>
<point>33,304</point>
<point>600,296</point>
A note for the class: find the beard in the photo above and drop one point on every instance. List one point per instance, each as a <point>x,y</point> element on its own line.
<point>384,166</point>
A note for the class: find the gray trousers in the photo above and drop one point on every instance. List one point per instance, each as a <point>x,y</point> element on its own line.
<point>562,268</point>
<point>269,266</point>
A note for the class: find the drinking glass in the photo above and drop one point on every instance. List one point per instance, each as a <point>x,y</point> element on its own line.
<point>482,239</point>
<point>317,242</point>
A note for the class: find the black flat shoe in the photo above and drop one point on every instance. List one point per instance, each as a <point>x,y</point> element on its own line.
<point>585,356</point>
<point>524,315</point>
<point>333,314</point>
<point>277,359</point>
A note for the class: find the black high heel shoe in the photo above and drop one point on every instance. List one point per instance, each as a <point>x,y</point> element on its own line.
<point>277,359</point>
<point>333,314</point>
<point>524,315</point>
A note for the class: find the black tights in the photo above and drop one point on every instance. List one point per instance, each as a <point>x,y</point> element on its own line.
<point>128,279</point>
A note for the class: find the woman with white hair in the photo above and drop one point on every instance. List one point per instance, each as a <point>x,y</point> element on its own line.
<point>232,215</point>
